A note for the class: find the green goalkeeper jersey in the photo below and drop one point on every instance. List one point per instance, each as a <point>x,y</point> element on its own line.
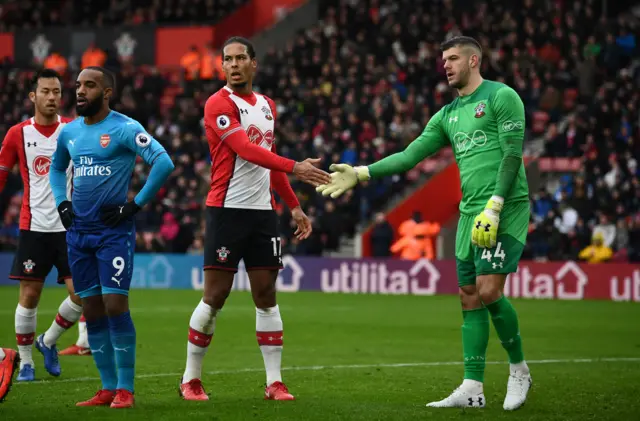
<point>486,131</point>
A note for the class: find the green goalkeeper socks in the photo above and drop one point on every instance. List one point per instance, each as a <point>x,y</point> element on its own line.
<point>475,338</point>
<point>505,320</point>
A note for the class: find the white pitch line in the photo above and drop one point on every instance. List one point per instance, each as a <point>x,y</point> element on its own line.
<point>346,367</point>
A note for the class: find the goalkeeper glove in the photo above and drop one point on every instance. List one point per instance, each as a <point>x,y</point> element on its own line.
<point>344,178</point>
<point>485,227</point>
<point>113,215</point>
<point>66,214</point>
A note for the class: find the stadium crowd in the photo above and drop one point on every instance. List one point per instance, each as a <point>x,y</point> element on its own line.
<point>365,80</point>
<point>21,14</point>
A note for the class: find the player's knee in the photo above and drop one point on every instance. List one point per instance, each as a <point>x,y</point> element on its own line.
<point>469,298</point>
<point>115,304</point>
<point>30,294</point>
<point>75,299</point>
<point>216,298</point>
<point>264,301</point>
<point>264,295</point>
<point>489,288</point>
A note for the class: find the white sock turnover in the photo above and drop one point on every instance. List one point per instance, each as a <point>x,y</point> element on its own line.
<point>201,328</point>
<point>26,320</point>
<point>68,315</point>
<point>269,335</point>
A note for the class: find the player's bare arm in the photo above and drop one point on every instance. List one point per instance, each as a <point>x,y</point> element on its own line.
<point>280,183</point>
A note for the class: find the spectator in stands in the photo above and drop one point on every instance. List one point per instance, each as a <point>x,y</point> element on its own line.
<point>597,252</point>
<point>367,78</point>
<point>93,56</point>
<point>211,64</point>
<point>331,226</point>
<point>606,230</point>
<point>381,236</point>
<point>57,62</point>
<point>542,204</point>
<point>634,239</point>
<point>567,218</point>
<point>191,63</point>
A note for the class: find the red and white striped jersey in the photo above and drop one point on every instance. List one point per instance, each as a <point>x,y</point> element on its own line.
<point>32,146</point>
<point>235,182</point>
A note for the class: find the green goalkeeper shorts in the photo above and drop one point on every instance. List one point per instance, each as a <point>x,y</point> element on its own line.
<point>472,261</point>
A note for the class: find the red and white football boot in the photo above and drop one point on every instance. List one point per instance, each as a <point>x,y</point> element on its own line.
<point>193,391</point>
<point>278,391</point>
<point>102,398</point>
<point>123,399</point>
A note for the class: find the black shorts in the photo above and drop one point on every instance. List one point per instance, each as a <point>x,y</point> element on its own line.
<point>38,253</point>
<point>247,234</point>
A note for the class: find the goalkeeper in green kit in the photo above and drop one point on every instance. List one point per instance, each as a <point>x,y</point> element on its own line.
<point>485,127</point>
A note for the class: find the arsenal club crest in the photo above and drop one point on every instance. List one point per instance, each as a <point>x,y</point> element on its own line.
<point>105,139</point>
<point>28,266</point>
<point>479,110</point>
<point>223,254</point>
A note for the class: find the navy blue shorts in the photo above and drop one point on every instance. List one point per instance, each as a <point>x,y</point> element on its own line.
<point>101,263</point>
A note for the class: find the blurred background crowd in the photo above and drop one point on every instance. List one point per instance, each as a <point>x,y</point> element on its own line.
<point>361,84</point>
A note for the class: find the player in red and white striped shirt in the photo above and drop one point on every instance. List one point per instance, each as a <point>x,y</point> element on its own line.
<point>42,241</point>
<point>241,221</point>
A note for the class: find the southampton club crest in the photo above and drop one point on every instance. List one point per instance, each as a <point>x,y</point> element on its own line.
<point>28,266</point>
<point>479,110</point>
<point>223,254</point>
<point>267,113</point>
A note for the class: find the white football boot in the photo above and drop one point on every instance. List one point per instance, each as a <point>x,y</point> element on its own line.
<point>517,389</point>
<point>469,394</point>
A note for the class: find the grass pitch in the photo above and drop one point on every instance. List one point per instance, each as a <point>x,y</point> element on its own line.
<point>347,357</point>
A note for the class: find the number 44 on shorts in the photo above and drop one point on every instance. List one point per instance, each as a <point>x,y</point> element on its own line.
<point>498,253</point>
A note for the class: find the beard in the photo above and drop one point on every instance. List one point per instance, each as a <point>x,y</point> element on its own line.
<point>90,108</point>
<point>463,79</point>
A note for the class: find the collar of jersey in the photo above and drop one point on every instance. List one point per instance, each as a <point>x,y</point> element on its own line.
<point>469,97</point>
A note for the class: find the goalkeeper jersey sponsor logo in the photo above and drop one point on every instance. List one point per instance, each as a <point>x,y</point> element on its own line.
<point>464,142</point>
<point>509,125</point>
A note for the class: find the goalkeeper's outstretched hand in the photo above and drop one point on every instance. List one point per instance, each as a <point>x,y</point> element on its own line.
<point>344,177</point>
<point>484,233</point>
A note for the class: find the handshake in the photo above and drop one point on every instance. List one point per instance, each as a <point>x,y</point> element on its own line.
<point>344,177</point>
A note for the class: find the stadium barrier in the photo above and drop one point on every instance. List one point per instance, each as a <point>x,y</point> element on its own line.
<point>553,280</point>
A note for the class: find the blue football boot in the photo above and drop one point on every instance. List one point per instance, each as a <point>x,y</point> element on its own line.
<point>51,363</point>
<point>27,373</point>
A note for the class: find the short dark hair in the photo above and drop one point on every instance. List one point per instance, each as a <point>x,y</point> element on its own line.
<point>460,40</point>
<point>108,79</point>
<point>241,40</point>
<point>44,74</point>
